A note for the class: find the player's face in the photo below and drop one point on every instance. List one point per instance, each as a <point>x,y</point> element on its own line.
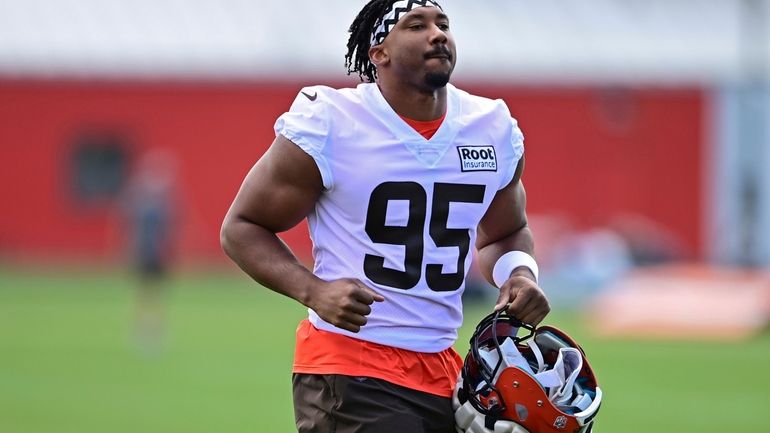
<point>422,49</point>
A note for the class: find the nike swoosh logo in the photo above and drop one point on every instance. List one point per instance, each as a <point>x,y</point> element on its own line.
<point>311,97</point>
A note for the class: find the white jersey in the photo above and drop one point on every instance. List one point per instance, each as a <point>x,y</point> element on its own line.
<point>400,212</point>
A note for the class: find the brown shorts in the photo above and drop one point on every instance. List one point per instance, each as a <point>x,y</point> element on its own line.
<point>343,404</point>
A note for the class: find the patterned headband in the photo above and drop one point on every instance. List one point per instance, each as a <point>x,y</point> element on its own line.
<point>396,11</point>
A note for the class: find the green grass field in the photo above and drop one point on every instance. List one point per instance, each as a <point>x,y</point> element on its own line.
<point>68,363</point>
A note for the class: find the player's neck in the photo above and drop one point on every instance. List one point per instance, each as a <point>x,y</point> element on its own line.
<point>414,103</point>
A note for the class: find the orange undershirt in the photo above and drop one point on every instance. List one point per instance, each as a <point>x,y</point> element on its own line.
<point>426,129</point>
<point>323,352</point>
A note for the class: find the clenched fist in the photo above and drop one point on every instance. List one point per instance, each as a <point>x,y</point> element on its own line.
<point>344,303</point>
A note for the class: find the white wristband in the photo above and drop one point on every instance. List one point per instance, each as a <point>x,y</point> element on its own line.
<point>510,261</point>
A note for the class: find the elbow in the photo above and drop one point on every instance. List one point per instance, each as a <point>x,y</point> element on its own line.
<point>227,237</point>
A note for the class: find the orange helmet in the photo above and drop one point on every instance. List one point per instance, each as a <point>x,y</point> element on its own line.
<point>535,383</point>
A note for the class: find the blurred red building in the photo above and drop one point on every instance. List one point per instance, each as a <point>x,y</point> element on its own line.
<point>592,153</point>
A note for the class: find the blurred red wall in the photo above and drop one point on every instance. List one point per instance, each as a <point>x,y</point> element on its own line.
<point>592,153</point>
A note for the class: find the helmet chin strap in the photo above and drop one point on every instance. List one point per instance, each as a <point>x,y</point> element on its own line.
<point>511,357</point>
<point>537,354</point>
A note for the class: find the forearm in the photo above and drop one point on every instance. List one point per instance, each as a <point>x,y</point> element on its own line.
<point>519,240</point>
<point>265,258</point>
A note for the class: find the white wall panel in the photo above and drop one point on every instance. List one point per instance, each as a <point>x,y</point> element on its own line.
<point>668,41</point>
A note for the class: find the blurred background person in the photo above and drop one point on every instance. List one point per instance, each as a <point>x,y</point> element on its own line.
<point>150,214</point>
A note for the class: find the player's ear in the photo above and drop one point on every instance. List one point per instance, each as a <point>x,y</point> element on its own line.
<point>379,55</point>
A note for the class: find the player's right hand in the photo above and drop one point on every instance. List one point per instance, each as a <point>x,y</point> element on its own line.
<point>344,303</point>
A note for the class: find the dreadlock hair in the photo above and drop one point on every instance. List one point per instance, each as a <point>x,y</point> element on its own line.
<point>357,58</point>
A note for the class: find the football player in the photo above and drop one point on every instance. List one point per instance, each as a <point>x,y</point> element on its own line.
<point>398,178</point>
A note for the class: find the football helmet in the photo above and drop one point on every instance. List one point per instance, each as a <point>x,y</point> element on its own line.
<point>536,382</point>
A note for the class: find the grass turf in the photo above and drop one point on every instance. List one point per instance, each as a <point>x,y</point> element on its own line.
<point>69,363</point>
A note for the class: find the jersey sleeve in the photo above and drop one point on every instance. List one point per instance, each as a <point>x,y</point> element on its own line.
<point>307,125</point>
<point>514,143</point>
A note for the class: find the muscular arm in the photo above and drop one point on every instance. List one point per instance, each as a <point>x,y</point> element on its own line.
<point>504,228</point>
<point>277,194</point>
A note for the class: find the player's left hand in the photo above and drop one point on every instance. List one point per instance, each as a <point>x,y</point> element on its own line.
<point>527,301</point>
